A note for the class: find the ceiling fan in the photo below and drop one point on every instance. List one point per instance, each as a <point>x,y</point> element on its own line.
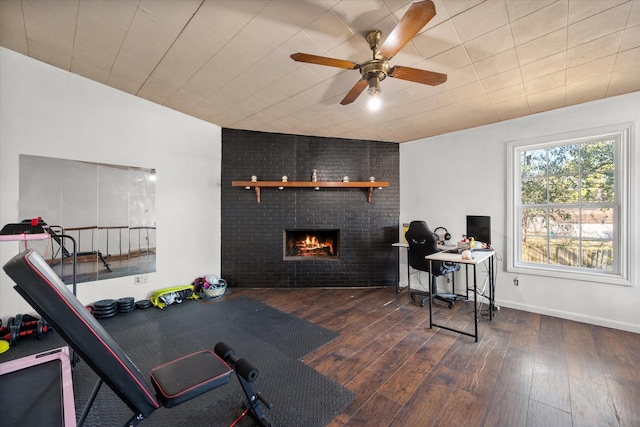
<point>378,68</point>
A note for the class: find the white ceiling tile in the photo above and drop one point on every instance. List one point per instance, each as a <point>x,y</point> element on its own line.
<point>328,31</point>
<point>594,49</point>
<point>542,47</point>
<point>630,38</point>
<point>547,100</point>
<point>12,27</point>
<point>520,9</point>
<point>624,81</point>
<point>456,7</point>
<point>540,23</point>
<point>512,109</point>
<point>600,25</point>
<point>361,15</point>
<point>474,103</point>
<point>450,60</point>
<point>436,40</point>
<point>263,25</point>
<point>481,116</point>
<point>634,15</point>
<point>496,64</point>
<point>502,80</point>
<point>628,58</point>
<point>243,10</point>
<point>480,19</point>
<point>579,10</point>
<point>219,20</point>
<point>544,66</point>
<point>301,16</point>
<point>587,90</point>
<point>489,44</point>
<point>590,69</point>
<point>462,93</point>
<point>545,83</point>
<point>507,94</point>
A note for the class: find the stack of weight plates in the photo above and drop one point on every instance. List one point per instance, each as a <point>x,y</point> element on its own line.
<point>143,303</point>
<point>105,308</point>
<point>126,305</point>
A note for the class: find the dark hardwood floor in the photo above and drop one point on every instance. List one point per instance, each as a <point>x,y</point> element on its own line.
<point>526,370</point>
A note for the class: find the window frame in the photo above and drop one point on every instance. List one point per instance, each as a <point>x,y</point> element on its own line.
<point>624,132</point>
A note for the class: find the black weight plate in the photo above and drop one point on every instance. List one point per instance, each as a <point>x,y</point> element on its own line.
<point>104,316</point>
<point>143,303</point>
<point>105,303</point>
<point>103,311</point>
<point>125,300</point>
<point>125,306</point>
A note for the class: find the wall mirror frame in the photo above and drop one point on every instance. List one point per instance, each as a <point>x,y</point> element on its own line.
<point>109,210</point>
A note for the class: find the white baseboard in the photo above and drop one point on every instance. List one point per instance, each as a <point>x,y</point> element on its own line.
<point>608,323</point>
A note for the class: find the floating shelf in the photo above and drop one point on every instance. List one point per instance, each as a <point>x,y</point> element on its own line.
<point>257,185</point>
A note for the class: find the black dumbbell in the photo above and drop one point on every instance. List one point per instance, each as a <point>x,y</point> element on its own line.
<point>15,332</point>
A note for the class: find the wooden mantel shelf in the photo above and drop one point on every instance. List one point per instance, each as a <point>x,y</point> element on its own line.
<point>257,185</point>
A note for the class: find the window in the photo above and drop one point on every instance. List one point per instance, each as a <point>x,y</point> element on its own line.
<point>568,200</point>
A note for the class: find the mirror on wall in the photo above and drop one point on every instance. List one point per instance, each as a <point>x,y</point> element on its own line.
<point>107,210</point>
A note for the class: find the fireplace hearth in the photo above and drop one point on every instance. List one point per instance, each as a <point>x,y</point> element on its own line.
<point>309,244</point>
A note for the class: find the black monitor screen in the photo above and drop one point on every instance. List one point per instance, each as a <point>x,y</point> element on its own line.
<point>479,227</point>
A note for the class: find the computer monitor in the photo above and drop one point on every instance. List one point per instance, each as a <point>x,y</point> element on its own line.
<point>479,227</point>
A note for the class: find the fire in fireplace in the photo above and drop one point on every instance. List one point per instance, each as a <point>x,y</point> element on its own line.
<point>311,244</point>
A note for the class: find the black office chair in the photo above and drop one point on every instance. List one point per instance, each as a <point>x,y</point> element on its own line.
<point>422,242</point>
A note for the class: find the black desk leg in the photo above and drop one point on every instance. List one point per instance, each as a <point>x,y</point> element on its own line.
<point>475,304</point>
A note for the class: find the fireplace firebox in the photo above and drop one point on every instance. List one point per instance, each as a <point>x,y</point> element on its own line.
<point>310,244</point>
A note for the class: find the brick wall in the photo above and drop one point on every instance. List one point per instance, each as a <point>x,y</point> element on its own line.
<point>252,233</point>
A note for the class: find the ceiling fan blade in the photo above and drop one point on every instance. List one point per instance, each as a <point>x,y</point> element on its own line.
<point>411,22</point>
<point>355,92</point>
<point>323,60</point>
<point>419,76</point>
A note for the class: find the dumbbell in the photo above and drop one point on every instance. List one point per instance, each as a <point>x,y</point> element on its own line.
<point>15,332</point>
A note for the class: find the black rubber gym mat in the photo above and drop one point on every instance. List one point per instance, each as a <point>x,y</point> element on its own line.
<point>270,339</point>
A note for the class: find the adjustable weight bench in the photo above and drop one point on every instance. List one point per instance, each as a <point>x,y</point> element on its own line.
<point>173,383</point>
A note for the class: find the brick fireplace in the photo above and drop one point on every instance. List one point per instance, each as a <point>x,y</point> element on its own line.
<point>254,235</point>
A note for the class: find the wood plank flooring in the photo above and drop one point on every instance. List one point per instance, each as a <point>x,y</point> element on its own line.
<point>526,370</point>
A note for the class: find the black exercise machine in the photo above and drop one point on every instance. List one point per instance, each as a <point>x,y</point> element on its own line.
<point>174,382</point>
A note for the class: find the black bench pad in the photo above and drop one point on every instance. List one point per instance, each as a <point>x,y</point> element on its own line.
<point>189,376</point>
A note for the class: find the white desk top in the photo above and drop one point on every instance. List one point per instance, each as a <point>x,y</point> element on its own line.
<point>478,257</point>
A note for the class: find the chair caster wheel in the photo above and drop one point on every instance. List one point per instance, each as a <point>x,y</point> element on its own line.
<point>450,305</point>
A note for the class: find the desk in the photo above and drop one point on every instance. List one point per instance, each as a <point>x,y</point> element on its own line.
<point>478,258</point>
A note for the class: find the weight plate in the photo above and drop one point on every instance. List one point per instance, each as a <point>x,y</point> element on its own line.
<point>103,311</point>
<point>105,303</point>
<point>143,303</point>
<point>104,316</point>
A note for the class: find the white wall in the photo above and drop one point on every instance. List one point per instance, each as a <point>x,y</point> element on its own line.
<point>445,178</point>
<point>49,112</point>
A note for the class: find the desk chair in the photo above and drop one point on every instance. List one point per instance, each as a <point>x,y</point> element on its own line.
<point>422,242</point>
<point>174,382</point>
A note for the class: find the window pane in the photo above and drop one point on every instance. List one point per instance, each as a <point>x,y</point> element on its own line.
<point>598,172</point>
<point>563,189</point>
<point>533,163</point>
<point>565,252</point>
<point>597,238</point>
<point>564,160</point>
<point>563,222</point>
<point>534,191</point>
<point>534,235</point>
<point>597,155</point>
